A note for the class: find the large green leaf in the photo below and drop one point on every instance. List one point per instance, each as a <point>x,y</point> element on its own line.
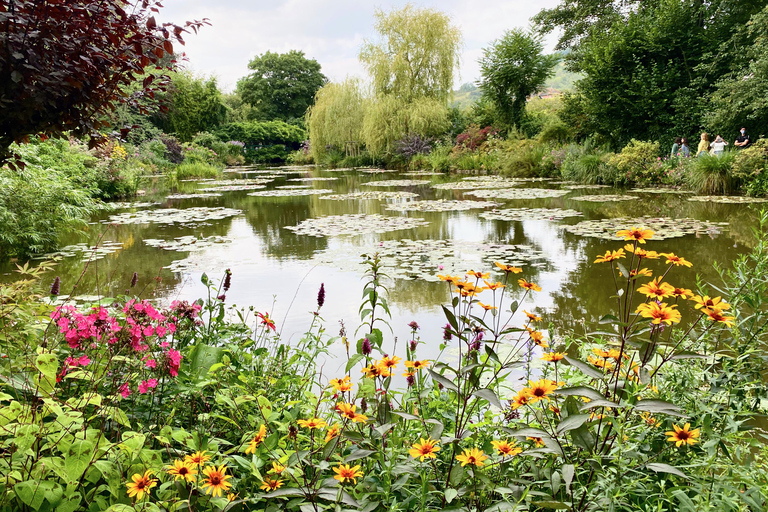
<point>77,459</point>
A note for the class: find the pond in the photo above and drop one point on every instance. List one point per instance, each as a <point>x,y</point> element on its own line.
<point>284,231</point>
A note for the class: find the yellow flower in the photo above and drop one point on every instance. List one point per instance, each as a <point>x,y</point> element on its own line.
<point>600,352</point>
<point>141,484</point>
<point>486,306</point>
<point>270,484</point>
<point>494,286</point>
<point>641,253</point>
<point>359,418</point>
<point>333,432</point>
<point>538,338</point>
<point>257,439</point>
<point>681,436</point>
<point>539,442</point>
<point>344,472</point>
<point>657,289</point>
<point>424,449</point>
<point>341,385</point>
<point>640,273</point>
<point>659,313</point>
<point>637,234</point>
<point>389,362</point>
<point>706,302</point>
<point>522,398</point>
<point>508,269</point>
<point>479,275</point>
<point>716,315</point>
<point>553,357</point>
<point>197,459</point>
<point>538,390</point>
<point>506,448</point>
<point>182,470</point>
<point>417,365</point>
<point>346,410</point>
<point>231,496</point>
<point>375,370</point>
<point>682,293</point>
<point>676,260</point>
<point>312,423</point>
<point>600,363</point>
<point>277,468</point>
<point>610,256</point>
<point>532,317</point>
<point>528,286</point>
<point>472,456</point>
<point>449,279</point>
<point>215,481</point>
<point>649,419</point>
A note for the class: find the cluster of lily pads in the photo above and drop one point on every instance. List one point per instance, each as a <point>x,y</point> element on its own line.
<point>314,178</point>
<point>518,193</point>
<point>85,251</point>
<point>354,224</point>
<point>233,188</point>
<point>662,227</point>
<point>728,199</point>
<point>291,192</point>
<point>244,181</point>
<point>584,187</point>
<point>441,205</point>
<point>474,185</point>
<point>660,190</point>
<point>187,243</point>
<point>425,259</point>
<point>194,196</point>
<point>397,183</point>
<point>122,205</point>
<point>199,215</point>
<point>603,198</point>
<point>372,194</point>
<point>520,214</point>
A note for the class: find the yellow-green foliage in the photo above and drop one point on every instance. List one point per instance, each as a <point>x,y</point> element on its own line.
<point>337,116</point>
<point>389,119</point>
<point>636,156</point>
<point>417,54</point>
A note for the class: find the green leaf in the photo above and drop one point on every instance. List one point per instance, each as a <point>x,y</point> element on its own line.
<point>443,381</point>
<point>555,505</point>
<point>405,415</point>
<point>489,395</point>
<point>33,492</point>
<point>358,454</point>
<point>568,471</point>
<point>585,391</point>
<point>572,423</point>
<point>658,406</point>
<point>25,436</point>
<point>356,358</point>
<point>77,459</point>
<point>584,368</point>
<point>451,318</point>
<point>457,475</point>
<point>659,467</point>
<point>450,494</point>
<point>69,504</point>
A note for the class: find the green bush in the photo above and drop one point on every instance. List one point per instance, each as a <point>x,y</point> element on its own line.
<point>556,132</point>
<point>266,142</point>
<point>639,163</point>
<point>750,167</point>
<point>440,158</point>
<point>525,159</point>
<point>710,175</point>
<point>195,170</point>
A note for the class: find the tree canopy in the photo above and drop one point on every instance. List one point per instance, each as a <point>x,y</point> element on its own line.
<point>194,105</point>
<point>64,65</point>
<point>282,85</point>
<point>416,56</point>
<point>336,116</point>
<point>513,68</point>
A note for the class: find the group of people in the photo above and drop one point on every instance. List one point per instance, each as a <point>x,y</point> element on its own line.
<point>717,147</point>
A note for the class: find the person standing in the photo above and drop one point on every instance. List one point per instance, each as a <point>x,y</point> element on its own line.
<point>685,151</point>
<point>703,145</point>
<point>718,146</point>
<point>675,148</point>
<point>742,141</point>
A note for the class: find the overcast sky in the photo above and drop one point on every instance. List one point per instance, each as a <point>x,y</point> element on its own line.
<point>330,31</point>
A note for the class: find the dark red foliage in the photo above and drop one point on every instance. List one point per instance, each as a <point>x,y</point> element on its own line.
<point>64,64</point>
<point>473,137</point>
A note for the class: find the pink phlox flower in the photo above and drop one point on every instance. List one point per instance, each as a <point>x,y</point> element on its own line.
<point>125,390</point>
<point>151,363</point>
<point>84,361</point>
<point>160,331</point>
<point>172,328</point>
<point>143,387</point>
<point>148,330</point>
<point>165,344</point>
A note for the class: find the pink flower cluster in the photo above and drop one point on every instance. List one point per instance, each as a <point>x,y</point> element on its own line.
<point>137,330</point>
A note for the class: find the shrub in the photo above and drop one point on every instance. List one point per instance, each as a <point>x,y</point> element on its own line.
<point>556,132</point>
<point>195,170</point>
<point>474,137</point>
<point>440,158</point>
<point>750,167</point>
<point>194,154</point>
<point>413,144</point>
<point>174,152</point>
<point>710,175</point>
<point>525,159</point>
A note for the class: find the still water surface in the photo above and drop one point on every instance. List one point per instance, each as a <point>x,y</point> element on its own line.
<point>277,270</point>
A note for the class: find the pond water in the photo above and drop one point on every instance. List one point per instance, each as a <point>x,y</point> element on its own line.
<point>285,231</point>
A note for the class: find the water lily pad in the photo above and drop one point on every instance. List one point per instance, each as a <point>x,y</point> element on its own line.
<point>326,178</point>
<point>585,187</point>
<point>232,188</point>
<point>196,180</point>
<point>293,187</point>
<point>197,215</point>
<point>490,177</point>
<point>519,193</point>
<point>519,214</point>
<point>372,194</point>
<point>425,259</point>
<point>291,192</point>
<point>85,251</point>
<point>193,196</point>
<point>378,171</point>
<point>728,199</point>
<point>423,173</point>
<point>397,183</point>
<point>356,224</point>
<point>474,185</point>
<point>235,182</point>
<point>603,198</point>
<point>120,205</point>
<point>660,190</point>
<point>663,227</point>
<point>441,205</point>
<point>187,243</point>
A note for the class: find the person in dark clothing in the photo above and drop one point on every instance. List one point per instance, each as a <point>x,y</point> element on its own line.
<point>742,141</point>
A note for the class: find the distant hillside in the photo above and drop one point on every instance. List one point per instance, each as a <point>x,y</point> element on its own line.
<point>466,95</point>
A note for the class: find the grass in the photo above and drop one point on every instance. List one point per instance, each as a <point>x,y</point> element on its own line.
<point>711,175</point>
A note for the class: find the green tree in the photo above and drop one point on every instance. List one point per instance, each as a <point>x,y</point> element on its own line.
<point>416,55</point>
<point>741,98</point>
<point>513,68</point>
<point>193,104</point>
<point>336,117</point>
<point>389,119</point>
<point>282,85</point>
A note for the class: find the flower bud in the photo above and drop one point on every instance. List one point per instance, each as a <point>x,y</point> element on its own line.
<point>321,296</point>
<point>56,287</point>
<point>134,279</point>
<point>227,280</point>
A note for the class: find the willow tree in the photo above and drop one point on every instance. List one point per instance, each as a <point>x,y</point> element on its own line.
<point>416,55</point>
<point>388,119</point>
<point>336,118</point>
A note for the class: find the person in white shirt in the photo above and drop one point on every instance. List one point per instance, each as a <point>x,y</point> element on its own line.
<point>718,146</point>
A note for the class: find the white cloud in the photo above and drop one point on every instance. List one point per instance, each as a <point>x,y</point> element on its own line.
<point>330,31</point>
